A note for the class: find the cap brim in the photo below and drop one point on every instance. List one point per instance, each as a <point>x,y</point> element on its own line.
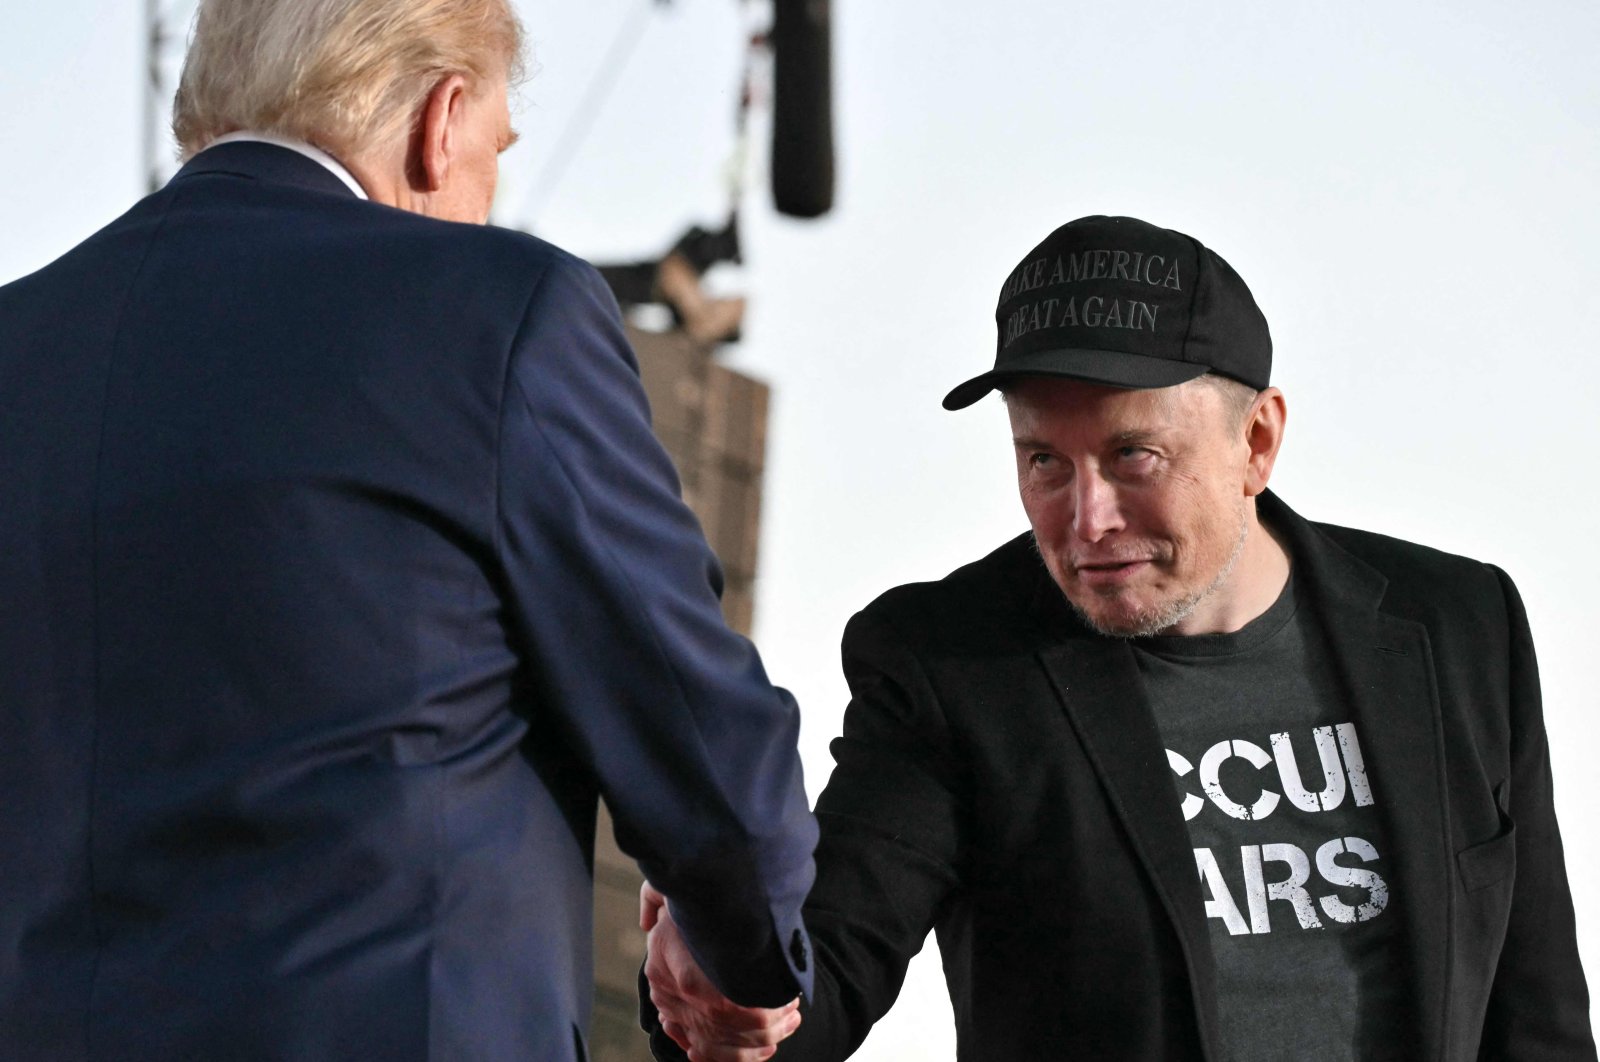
<point>1113,368</point>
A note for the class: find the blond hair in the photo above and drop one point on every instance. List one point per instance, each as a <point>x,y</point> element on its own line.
<point>345,75</point>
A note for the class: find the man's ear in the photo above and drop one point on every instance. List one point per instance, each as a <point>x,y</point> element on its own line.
<point>435,139</point>
<point>1263,435</point>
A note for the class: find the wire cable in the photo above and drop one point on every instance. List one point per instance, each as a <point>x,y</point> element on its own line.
<point>582,121</point>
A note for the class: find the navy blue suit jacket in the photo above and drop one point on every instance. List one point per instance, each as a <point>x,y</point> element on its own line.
<point>341,574</point>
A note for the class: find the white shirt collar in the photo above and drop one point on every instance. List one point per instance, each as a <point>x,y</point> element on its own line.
<point>310,151</point>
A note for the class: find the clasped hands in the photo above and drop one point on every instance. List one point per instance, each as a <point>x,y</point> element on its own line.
<point>698,1018</point>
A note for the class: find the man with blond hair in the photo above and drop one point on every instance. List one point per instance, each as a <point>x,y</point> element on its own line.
<point>342,575</point>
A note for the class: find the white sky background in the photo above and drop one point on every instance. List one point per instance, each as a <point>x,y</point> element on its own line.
<point>1409,191</point>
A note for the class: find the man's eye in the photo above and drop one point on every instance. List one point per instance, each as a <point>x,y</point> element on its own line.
<point>1041,460</point>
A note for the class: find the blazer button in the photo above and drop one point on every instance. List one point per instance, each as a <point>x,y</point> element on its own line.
<point>797,951</point>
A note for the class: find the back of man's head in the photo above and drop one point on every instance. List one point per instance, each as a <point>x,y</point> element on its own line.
<point>345,75</point>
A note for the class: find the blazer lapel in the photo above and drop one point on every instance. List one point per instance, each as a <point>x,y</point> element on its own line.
<point>1387,669</point>
<point>1386,666</point>
<point>1099,686</point>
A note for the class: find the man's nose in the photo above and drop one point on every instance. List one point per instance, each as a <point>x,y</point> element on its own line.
<point>1097,512</point>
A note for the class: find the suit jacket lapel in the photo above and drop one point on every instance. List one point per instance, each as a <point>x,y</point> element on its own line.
<point>1098,683</point>
<point>1387,669</point>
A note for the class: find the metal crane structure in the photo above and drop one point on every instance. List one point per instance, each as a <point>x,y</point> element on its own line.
<point>711,419</point>
<point>163,25</point>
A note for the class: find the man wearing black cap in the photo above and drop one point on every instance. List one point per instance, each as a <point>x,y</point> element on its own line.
<point>1179,774</point>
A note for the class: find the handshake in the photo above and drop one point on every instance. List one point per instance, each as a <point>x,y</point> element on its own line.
<point>697,1017</point>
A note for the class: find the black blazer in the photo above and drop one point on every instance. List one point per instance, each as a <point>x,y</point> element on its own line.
<point>1001,779</point>
<point>339,574</point>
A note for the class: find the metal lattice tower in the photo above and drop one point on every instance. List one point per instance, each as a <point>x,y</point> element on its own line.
<point>164,36</point>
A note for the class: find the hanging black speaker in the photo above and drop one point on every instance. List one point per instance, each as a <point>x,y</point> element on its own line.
<point>802,108</point>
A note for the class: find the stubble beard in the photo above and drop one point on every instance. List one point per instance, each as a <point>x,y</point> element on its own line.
<point>1162,615</point>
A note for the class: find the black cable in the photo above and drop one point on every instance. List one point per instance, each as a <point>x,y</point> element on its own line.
<point>581,123</point>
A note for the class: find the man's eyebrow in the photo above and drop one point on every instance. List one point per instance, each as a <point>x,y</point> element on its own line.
<point>1126,437</point>
<point>1130,436</point>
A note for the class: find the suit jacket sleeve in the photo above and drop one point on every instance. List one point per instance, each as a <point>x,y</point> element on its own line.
<point>1539,1005</point>
<point>614,593</point>
<point>893,840</point>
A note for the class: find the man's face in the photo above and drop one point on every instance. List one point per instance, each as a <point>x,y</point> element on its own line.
<point>1137,498</point>
<point>483,131</point>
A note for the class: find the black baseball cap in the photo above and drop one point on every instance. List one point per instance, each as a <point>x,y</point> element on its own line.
<point>1121,302</point>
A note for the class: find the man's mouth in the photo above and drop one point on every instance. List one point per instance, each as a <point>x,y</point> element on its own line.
<point>1109,572</point>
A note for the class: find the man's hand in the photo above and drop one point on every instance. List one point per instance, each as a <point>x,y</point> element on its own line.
<point>698,1018</point>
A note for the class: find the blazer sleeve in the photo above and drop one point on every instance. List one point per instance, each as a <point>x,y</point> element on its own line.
<point>887,861</point>
<point>1539,1004</point>
<point>894,837</point>
<point>615,597</point>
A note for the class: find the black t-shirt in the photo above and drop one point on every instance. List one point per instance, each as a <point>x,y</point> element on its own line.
<point>1287,836</point>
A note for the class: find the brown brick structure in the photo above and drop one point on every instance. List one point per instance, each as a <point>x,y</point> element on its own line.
<point>713,421</point>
